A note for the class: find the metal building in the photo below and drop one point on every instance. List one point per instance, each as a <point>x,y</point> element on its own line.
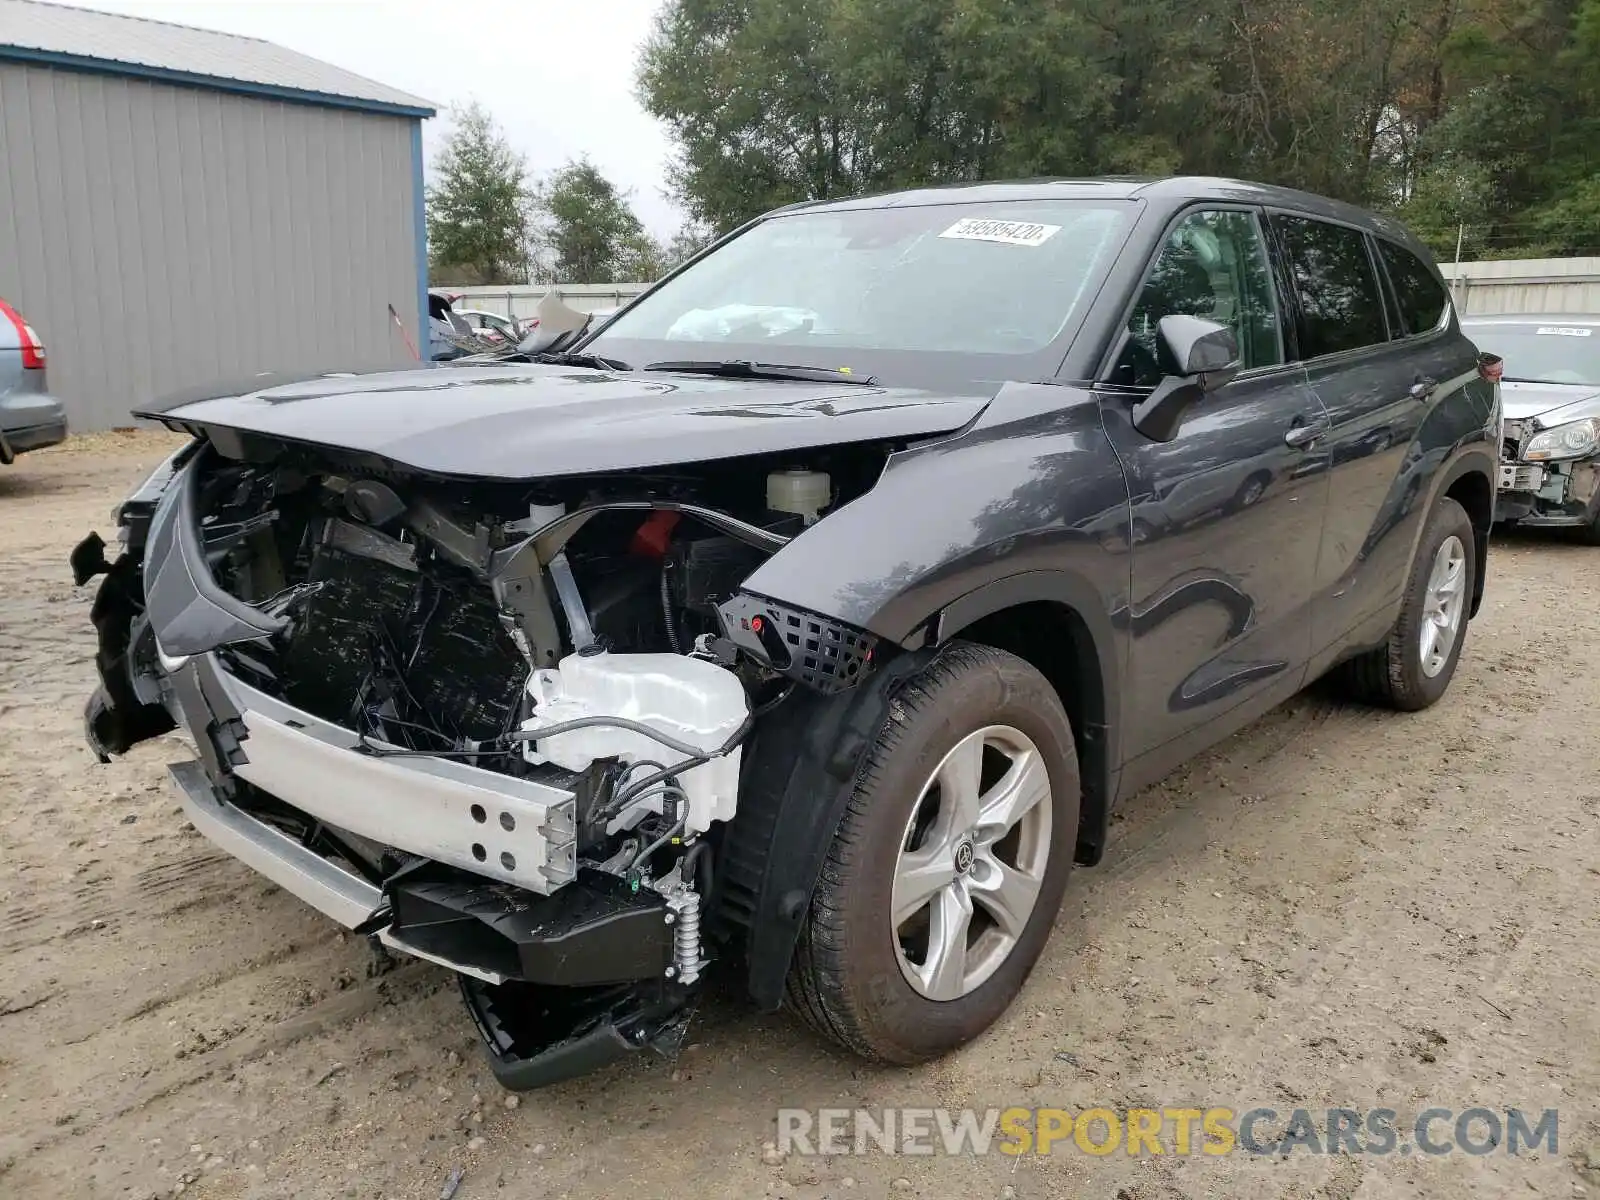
<point>179,206</point>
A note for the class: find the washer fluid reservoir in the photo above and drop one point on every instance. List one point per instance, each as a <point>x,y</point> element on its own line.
<point>799,491</point>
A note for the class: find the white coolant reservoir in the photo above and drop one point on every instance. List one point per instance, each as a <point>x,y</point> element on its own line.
<point>688,699</point>
<point>804,493</point>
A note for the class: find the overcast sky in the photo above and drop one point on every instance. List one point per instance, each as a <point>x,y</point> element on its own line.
<point>556,74</point>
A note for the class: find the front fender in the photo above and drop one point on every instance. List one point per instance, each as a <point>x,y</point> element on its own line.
<point>1042,493</point>
<point>1008,513</point>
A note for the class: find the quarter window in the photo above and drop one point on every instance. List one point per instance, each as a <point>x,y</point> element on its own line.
<point>1213,265</point>
<point>1339,296</point>
<point>1422,298</point>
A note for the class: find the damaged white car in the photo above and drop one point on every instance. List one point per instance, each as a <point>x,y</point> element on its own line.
<point>1550,464</point>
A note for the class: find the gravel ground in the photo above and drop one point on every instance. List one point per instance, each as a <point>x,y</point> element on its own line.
<point>1335,908</point>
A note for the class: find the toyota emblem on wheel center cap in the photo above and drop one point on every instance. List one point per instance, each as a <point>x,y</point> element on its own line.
<point>964,856</point>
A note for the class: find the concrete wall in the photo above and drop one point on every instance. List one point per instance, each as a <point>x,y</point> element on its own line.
<point>522,300</point>
<point>1534,285</point>
<point>160,237</point>
<point>1526,285</point>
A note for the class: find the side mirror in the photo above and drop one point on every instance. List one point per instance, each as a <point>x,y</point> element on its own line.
<point>1198,356</point>
<point>1195,347</point>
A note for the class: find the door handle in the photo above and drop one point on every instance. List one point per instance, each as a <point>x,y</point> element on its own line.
<point>1302,436</point>
<point>1423,387</point>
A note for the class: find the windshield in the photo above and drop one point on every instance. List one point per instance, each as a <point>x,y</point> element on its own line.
<point>1543,353</point>
<point>935,294</point>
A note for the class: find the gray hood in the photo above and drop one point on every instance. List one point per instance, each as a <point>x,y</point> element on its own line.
<point>537,421</point>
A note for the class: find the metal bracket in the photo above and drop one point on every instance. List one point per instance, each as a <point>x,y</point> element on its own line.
<point>517,577</point>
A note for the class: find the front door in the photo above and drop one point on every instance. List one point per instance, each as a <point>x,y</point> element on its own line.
<point>1228,515</point>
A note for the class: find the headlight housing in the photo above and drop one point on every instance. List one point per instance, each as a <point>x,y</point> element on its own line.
<point>1572,440</point>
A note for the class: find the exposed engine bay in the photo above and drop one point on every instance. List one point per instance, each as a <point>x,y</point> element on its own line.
<point>361,653</point>
<point>460,621</point>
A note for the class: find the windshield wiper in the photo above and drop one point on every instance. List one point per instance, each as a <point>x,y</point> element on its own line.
<point>739,368</point>
<point>566,358</point>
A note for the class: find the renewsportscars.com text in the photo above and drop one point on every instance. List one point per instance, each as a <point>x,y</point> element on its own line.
<point>1165,1131</point>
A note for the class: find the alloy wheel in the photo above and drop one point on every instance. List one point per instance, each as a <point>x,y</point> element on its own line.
<point>1443,605</point>
<point>971,862</point>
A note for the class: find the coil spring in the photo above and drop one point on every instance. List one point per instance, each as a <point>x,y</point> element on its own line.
<point>686,937</point>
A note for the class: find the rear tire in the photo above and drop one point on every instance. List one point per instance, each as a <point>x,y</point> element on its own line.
<point>853,978</point>
<point>1402,673</point>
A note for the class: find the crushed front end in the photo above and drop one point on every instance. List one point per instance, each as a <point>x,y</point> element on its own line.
<point>1550,469</point>
<point>494,725</point>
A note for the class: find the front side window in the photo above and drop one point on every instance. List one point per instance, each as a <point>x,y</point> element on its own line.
<point>1339,297</point>
<point>1212,265</point>
<point>961,291</point>
<point>1421,297</point>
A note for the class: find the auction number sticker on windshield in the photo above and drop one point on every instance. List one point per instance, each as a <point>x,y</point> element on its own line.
<point>1565,330</point>
<point>1012,233</point>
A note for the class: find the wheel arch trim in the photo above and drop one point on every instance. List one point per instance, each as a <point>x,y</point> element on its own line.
<point>1475,462</point>
<point>1095,698</point>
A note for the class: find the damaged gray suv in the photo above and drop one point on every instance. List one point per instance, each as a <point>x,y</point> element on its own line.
<point>804,622</point>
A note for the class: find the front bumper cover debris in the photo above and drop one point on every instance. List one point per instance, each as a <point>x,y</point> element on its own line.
<point>536,1037</point>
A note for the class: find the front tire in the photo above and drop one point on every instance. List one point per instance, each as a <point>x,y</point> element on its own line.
<point>1413,668</point>
<point>944,877</point>
<point>1589,535</point>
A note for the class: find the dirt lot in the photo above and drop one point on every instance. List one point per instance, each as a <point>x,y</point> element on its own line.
<point>1335,908</point>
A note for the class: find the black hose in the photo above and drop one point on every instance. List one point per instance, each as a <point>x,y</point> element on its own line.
<point>377,751</point>
<point>621,800</point>
<point>693,868</point>
<point>667,740</point>
<point>767,706</point>
<point>640,859</point>
<point>666,614</point>
<point>630,768</point>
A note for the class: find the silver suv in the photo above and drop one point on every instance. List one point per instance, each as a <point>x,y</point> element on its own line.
<point>29,416</point>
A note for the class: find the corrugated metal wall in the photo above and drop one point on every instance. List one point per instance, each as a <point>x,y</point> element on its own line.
<point>160,237</point>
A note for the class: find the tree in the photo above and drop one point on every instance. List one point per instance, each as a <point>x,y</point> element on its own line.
<point>690,239</point>
<point>1484,112</point>
<point>589,232</point>
<point>477,206</point>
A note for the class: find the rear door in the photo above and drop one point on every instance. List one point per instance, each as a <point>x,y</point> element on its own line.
<point>1380,357</point>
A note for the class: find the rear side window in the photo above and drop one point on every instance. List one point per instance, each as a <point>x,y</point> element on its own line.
<point>1422,298</point>
<point>1338,290</point>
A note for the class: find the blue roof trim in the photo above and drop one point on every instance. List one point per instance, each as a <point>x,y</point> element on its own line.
<point>420,218</point>
<point>215,83</point>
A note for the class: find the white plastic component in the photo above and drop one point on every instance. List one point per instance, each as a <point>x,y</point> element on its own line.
<point>539,515</point>
<point>687,699</point>
<point>804,493</point>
